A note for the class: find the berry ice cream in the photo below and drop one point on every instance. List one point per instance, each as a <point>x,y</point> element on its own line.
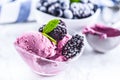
<point>102,38</point>
<point>48,50</point>
<point>102,31</point>
<point>36,43</point>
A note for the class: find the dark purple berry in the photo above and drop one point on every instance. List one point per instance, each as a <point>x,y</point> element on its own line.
<point>59,32</point>
<point>58,12</point>
<point>73,46</point>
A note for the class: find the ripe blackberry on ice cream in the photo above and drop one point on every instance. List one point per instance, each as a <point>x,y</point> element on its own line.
<point>73,46</point>
<point>58,33</point>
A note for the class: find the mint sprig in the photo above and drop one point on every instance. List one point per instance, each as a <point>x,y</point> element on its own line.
<point>74,1</point>
<point>53,40</point>
<point>51,25</point>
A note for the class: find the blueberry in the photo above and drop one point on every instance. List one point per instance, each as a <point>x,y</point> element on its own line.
<point>64,1</point>
<point>43,9</point>
<point>92,12</point>
<point>45,4</point>
<point>95,8</point>
<point>87,10</point>
<point>68,14</point>
<point>42,1</point>
<point>91,6</point>
<point>65,5</point>
<point>57,5</point>
<point>51,9</point>
<point>75,6</point>
<point>38,5</point>
<point>58,12</point>
<point>85,1</point>
<point>51,1</point>
<point>79,15</point>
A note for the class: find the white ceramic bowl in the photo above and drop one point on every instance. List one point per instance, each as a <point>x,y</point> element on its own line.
<point>102,45</point>
<point>74,24</point>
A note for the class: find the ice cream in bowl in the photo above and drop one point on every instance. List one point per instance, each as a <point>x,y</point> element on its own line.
<point>49,50</point>
<point>102,38</point>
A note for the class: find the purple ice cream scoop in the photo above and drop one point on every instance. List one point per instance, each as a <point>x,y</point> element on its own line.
<point>102,38</point>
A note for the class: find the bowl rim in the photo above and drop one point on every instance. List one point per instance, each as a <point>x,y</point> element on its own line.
<point>96,12</point>
<point>102,38</point>
<point>36,56</point>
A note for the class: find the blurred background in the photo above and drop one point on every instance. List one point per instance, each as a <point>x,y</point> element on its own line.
<point>15,11</point>
<point>19,16</point>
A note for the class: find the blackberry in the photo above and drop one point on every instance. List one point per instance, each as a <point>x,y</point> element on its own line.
<point>59,32</point>
<point>73,46</point>
<point>41,28</point>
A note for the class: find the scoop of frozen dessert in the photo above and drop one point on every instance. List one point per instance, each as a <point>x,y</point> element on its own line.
<point>102,31</point>
<point>36,43</point>
<point>102,38</point>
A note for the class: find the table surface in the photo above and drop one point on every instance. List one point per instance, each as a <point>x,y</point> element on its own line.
<point>90,66</point>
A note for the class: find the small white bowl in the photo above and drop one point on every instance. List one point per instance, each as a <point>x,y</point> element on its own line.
<point>102,45</point>
<point>74,24</point>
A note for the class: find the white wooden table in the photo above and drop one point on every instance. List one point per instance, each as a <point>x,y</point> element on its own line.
<point>90,66</point>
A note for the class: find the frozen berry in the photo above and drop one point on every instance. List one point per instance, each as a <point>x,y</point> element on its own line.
<point>73,46</point>
<point>59,32</point>
<point>45,4</point>
<point>58,12</point>
<point>57,5</point>
<point>51,1</point>
<point>85,1</point>
<point>64,1</point>
<point>65,5</point>
<point>75,6</point>
<point>87,10</point>
<point>95,8</point>
<point>68,14</point>
<point>51,9</point>
<point>42,8</point>
<point>65,9</point>
<point>91,6</point>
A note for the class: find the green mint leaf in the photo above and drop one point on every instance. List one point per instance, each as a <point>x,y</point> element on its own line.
<point>53,40</point>
<point>74,1</point>
<point>51,25</point>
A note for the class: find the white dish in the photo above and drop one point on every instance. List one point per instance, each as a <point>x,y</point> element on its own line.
<point>102,45</point>
<point>74,24</point>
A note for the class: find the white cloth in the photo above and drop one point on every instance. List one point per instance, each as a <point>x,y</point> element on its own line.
<point>16,11</point>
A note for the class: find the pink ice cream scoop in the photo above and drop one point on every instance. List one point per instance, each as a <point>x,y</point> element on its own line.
<point>40,53</point>
<point>36,43</point>
<point>102,38</point>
